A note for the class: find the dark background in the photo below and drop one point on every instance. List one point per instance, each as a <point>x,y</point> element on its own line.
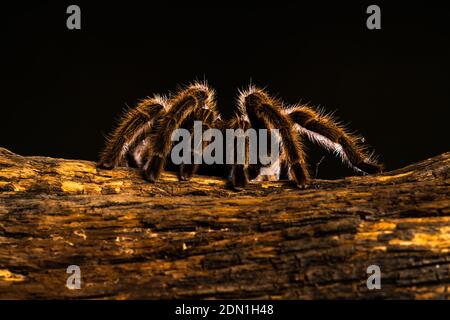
<point>62,90</point>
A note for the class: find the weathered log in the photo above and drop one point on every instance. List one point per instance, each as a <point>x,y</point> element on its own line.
<point>198,239</point>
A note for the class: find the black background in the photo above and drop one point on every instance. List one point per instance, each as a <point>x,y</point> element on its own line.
<point>63,89</point>
<point>165,309</point>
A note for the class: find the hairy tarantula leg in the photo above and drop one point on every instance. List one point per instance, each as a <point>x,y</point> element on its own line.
<point>239,176</point>
<point>254,169</point>
<point>181,106</point>
<point>327,133</point>
<point>259,104</point>
<point>132,127</point>
<point>187,170</point>
<point>208,118</point>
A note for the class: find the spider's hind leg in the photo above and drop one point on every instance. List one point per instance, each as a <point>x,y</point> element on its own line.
<point>327,133</point>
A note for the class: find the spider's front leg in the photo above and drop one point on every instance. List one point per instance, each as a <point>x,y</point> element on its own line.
<point>209,118</point>
<point>185,103</point>
<point>132,128</point>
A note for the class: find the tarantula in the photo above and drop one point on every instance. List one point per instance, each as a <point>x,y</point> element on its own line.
<point>143,137</point>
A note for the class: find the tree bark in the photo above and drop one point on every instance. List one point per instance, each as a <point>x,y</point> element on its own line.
<point>198,239</point>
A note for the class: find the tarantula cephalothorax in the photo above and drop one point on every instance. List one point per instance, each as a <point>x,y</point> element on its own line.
<point>143,137</point>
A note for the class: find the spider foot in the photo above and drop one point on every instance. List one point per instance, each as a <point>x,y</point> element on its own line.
<point>186,171</point>
<point>239,179</point>
<point>154,168</point>
<point>300,175</point>
<point>302,186</point>
<point>370,167</point>
<point>184,178</point>
<point>105,165</point>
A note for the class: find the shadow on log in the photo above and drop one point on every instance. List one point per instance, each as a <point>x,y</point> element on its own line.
<point>197,239</point>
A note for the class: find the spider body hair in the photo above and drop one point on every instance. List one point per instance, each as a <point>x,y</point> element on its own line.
<point>132,128</point>
<point>327,132</point>
<point>266,112</point>
<point>143,137</point>
<point>210,119</point>
<point>187,101</point>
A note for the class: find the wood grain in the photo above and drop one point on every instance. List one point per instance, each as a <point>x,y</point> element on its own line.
<point>198,239</point>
